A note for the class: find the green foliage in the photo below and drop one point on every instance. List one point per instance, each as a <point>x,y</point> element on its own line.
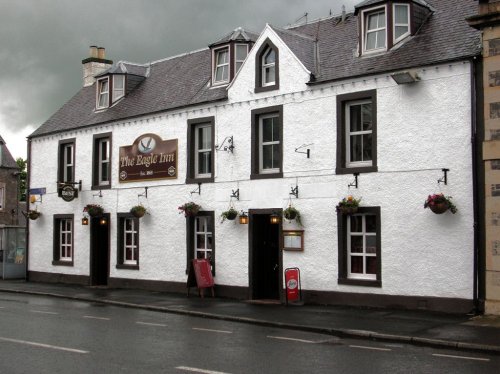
<point>23,176</point>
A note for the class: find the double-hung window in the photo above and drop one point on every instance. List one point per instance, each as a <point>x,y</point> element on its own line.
<point>128,242</point>
<point>401,21</point>
<point>118,87</point>
<point>267,143</point>
<point>221,71</point>
<point>63,240</point>
<point>357,132</point>
<point>200,238</point>
<point>375,30</point>
<point>200,150</point>
<point>359,247</point>
<point>102,93</point>
<point>102,161</point>
<point>66,167</point>
<point>241,55</point>
<point>267,67</point>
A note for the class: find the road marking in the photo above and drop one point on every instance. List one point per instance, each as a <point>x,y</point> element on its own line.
<point>372,348</point>
<point>94,317</point>
<point>462,357</point>
<point>151,324</point>
<point>292,339</point>
<point>43,312</point>
<point>211,330</point>
<point>43,345</point>
<point>187,368</point>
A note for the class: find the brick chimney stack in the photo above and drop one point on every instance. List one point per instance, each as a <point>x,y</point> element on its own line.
<point>95,64</point>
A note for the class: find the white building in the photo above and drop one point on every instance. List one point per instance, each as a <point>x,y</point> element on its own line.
<point>387,111</point>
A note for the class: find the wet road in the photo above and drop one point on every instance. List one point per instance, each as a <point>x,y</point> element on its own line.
<point>46,335</point>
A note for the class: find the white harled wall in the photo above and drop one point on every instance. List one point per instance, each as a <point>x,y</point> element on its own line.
<point>421,128</point>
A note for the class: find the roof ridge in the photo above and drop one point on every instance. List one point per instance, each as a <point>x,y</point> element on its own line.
<point>293,32</point>
<point>179,55</point>
<point>317,20</point>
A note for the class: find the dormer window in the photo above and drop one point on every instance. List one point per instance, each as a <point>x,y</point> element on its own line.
<point>267,67</point>
<point>118,87</point>
<point>375,35</point>
<point>221,72</point>
<point>401,21</point>
<point>103,93</point>
<point>241,55</point>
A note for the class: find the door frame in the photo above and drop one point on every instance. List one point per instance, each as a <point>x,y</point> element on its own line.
<point>91,250</point>
<point>251,213</point>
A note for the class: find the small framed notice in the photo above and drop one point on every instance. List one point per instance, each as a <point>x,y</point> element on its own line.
<point>293,240</point>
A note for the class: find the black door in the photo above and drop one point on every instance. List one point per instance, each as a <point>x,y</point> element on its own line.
<point>99,251</point>
<point>265,257</point>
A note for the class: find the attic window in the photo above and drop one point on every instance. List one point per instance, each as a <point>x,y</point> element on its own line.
<point>375,34</point>
<point>241,55</point>
<point>102,93</point>
<point>267,75</point>
<point>401,21</point>
<point>269,67</point>
<point>118,87</point>
<point>221,70</point>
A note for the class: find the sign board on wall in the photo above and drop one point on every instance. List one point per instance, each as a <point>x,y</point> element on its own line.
<point>148,158</point>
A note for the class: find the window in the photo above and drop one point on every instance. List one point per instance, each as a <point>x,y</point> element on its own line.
<point>267,143</point>
<point>118,87</point>
<point>241,55</point>
<point>102,93</point>
<point>401,21</point>
<point>128,242</point>
<point>359,247</point>
<point>375,30</point>
<point>221,71</point>
<point>267,68</point>
<point>63,240</point>
<point>101,177</point>
<point>200,150</point>
<point>66,171</point>
<point>200,238</point>
<point>356,132</point>
<point>2,196</point>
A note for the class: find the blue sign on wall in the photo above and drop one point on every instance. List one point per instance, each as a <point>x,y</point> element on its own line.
<point>38,191</point>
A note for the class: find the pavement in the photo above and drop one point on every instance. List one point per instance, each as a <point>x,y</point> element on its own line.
<point>418,327</point>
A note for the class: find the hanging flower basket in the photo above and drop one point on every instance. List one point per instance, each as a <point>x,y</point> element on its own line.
<point>291,214</point>
<point>229,214</point>
<point>94,210</point>
<point>438,204</point>
<point>33,214</point>
<point>138,211</point>
<point>348,205</point>
<point>189,209</point>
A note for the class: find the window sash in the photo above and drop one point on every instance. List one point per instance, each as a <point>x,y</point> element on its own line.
<point>67,162</point>
<point>240,56</point>
<point>269,149</point>
<point>375,35</point>
<point>103,162</point>
<point>268,68</point>
<point>364,134</point>
<point>221,72</point>
<point>203,239</point>
<point>401,25</point>
<point>363,255</point>
<point>130,231</point>
<point>118,87</point>
<point>65,239</point>
<point>203,150</point>
<point>103,93</point>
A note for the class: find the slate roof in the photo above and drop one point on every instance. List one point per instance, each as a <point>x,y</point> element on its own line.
<point>124,67</point>
<point>6,159</point>
<point>184,80</point>
<point>239,34</point>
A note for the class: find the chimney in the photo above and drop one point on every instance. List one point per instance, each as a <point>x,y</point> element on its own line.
<point>95,64</point>
<point>343,13</point>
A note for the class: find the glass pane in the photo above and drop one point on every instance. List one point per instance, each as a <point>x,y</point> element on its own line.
<point>104,86</point>
<point>356,223</point>
<point>367,116</point>
<point>371,265</point>
<point>276,130</point>
<point>381,39</point>
<point>367,147</point>
<point>204,163</point>
<point>270,57</point>
<point>129,239</point>
<point>371,244</point>
<point>238,65</point>
<point>222,57</point>
<point>267,157</point>
<point>401,14</point>
<point>206,137</point>
<point>267,130</point>
<point>355,148</point>
<point>381,19</point>
<point>105,172</point>
<point>128,254</point>
<point>200,241</point>
<point>209,241</point>
<point>356,264</point>
<point>371,223</point>
<point>372,21</point>
<point>202,224</point>
<point>400,30</point>
<point>200,254</point>
<point>69,154</point>
<point>104,150</point>
<point>68,238</point>
<point>269,74</point>
<point>356,244</point>
<point>118,82</point>
<point>276,156</point>
<point>355,117</point>
<point>241,52</point>
<point>370,40</point>
<point>225,72</point>
<point>218,74</point>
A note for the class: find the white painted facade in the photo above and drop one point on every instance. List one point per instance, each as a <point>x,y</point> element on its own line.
<point>421,128</point>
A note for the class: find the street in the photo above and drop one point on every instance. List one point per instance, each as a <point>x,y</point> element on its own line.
<point>47,335</point>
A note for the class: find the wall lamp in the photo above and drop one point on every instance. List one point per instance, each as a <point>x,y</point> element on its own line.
<point>103,221</point>
<point>405,77</point>
<point>274,219</point>
<point>85,221</point>
<point>243,218</point>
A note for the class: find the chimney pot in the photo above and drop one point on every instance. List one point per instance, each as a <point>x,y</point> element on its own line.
<point>101,53</point>
<point>93,51</point>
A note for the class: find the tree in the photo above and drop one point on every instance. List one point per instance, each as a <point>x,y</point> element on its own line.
<point>22,178</point>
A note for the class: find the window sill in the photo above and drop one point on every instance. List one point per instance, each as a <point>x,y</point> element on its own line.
<point>266,176</point>
<point>104,187</point>
<point>62,263</point>
<point>360,282</point>
<point>127,266</point>
<point>364,169</point>
<point>199,180</point>
<point>267,88</point>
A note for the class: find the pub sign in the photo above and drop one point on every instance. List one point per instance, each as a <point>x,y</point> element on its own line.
<point>148,158</point>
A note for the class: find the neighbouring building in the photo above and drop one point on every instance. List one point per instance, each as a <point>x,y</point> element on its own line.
<point>9,187</point>
<point>378,104</point>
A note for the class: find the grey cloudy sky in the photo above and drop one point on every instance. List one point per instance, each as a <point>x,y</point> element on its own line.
<point>43,42</point>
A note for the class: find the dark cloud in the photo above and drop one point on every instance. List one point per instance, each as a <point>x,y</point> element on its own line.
<point>44,41</point>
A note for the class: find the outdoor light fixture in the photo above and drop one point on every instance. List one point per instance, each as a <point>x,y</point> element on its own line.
<point>85,221</point>
<point>243,218</point>
<point>274,219</point>
<point>103,221</point>
<point>405,77</point>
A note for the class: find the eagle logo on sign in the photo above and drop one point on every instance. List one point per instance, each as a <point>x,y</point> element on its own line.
<point>147,144</point>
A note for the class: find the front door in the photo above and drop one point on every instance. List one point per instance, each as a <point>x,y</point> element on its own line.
<point>99,251</point>
<point>265,256</point>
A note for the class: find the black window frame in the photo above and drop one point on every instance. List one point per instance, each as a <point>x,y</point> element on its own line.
<point>192,124</point>
<point>95,160</point>
<point>343,253</point>
<point>120,256</point>
<point>56,243</point>
<point>255,152</point>
<point>341,162</point>
<point>258,67</point>
<point>190,242</point>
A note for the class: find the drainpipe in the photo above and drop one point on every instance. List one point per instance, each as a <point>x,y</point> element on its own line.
<point>28,181</point>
